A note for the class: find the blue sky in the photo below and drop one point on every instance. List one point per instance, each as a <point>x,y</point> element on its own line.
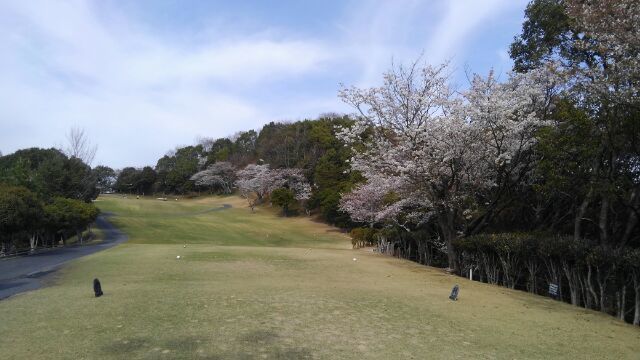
<point>142,77</point>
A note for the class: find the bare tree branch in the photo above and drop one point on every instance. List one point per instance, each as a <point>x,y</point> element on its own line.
<point>79,146</point>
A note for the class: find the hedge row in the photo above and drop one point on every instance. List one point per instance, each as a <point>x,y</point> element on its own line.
<point>589,275</point>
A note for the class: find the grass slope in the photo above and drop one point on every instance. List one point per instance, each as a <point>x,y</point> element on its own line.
<point>260,286</point>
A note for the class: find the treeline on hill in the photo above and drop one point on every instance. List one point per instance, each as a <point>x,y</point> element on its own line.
<point>45,198</point>
<point>213,166</point>
<point>533,183</point>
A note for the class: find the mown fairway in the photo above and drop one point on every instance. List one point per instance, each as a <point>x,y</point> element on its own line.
<point>261,286</point>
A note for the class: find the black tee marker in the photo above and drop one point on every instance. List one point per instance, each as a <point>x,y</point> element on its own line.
<point>454,293</point>
<point>97,288</point>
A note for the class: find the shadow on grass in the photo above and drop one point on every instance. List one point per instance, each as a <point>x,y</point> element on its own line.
<point>260,336</point>
<point>126,346</point>
<point>267,340</point>
<point>247,346</point>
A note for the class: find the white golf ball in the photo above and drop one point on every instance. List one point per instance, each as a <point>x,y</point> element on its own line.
<point>178,257</point>
<point>354,259</point>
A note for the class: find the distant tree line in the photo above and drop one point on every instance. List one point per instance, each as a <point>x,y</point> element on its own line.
<point>309,148</point>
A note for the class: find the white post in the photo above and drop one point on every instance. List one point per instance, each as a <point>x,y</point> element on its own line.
<point>471,274</point>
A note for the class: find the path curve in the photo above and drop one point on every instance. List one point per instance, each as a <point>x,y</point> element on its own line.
<point>28,272</point>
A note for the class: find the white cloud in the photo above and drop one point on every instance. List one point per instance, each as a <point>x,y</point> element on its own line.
<point>381,31</point>
<point>461,17</point>
<point>66,66</point>
<point>139,93</point>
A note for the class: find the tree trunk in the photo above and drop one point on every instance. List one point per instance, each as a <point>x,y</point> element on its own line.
<point>577,227</point>
<point>532,267</point>
<point>428,254</point>
<point>622,300</point>
<point>602,223</point>
<point>574,283</point>
<point>510,270</point>
<point>602,284</point>
<point>33,242</point>
<point>632,221</point>
<point>491,268</point>
<point>636,285</point>
<point>447,231</point>
<point>584,293</point>
<point>589,284</point>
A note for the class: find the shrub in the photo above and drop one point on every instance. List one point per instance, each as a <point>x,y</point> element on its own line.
<point>361,237</point>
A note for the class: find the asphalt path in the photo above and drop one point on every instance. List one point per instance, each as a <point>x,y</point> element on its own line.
<point>29,272</point>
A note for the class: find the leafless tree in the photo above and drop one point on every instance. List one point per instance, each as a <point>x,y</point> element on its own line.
<point>206,142</point>
<point>79,146</point>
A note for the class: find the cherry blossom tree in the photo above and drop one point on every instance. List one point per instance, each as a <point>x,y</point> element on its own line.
<point>220,175</point>
<point>455,154</point>
<point>255,182</point>
<point>609,34</point>
<point>366,202</point>
<point>293,179</point>
<point>385,201</point>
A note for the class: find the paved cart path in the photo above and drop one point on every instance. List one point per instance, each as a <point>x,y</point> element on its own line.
<point>26,273</point>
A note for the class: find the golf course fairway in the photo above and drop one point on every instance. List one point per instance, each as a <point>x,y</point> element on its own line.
<point>261,286</point>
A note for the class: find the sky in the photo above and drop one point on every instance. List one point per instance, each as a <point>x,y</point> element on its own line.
<point>142,77</point>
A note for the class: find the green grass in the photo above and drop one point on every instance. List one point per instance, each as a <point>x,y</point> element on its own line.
<point>240,294</point>
<point>151,221</point>
<point>94,236</point>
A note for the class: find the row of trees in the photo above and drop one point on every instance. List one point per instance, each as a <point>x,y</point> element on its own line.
<point>597,277</point>
<point>45,197</point>
<point>279,152</point>
<point>454,178</point>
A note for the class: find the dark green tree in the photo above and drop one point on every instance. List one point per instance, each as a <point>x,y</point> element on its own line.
<point>20,213</point>
<point>105,178</point>
<point>175,170</point>
<point>49,173</point>
<point>588,172</point>
<point>127,180</point>
<point>146,179</point>
<point>284,198</point>
<point>546,32</point>
<point>69,216</point>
